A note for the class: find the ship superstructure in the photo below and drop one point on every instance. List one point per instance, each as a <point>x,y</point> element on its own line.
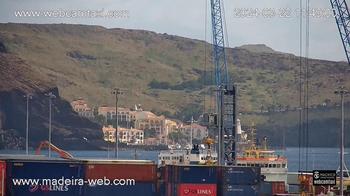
<point>251,154</point>
<point>274,167</point>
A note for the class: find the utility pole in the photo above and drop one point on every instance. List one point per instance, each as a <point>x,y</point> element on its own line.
<point>116,92</point>
<point>342,92</point>
<point>51,96</point>
<point>191,138</point>
<point>28,97</point>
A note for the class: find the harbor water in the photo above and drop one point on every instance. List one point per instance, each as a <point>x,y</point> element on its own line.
<point>318,158</point>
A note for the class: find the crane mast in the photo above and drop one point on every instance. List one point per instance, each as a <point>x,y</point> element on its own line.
<point>226,93</point>
<point>342,17</point>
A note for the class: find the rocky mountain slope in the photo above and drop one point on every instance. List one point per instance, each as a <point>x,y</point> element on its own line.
<point>68,129</point>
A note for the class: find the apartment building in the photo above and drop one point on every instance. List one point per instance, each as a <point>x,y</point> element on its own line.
<point>124,114</point>
<point>125,135</point>
<point>81,107</point>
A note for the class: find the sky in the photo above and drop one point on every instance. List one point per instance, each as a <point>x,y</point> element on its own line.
<point>271,22</point>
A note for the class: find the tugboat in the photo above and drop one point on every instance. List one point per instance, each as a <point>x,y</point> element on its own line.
<point>273,167</point>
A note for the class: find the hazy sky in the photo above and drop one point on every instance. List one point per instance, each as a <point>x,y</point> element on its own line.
<point>187,18</point>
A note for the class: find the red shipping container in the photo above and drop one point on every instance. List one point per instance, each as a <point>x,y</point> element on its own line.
<point>196,190</point>
<point>278,188</point>
<point>2,177</point>
<point>140,172</point>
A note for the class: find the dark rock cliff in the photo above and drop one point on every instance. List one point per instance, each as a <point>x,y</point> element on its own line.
<point>69,131</point>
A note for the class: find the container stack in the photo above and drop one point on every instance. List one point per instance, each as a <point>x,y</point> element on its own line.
<point>144,175</point>
<point>240,181</point>
<point>190,180</point>
<point>132,178</point>
<point>43,169</point>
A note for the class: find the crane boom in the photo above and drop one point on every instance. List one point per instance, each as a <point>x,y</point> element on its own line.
<point>342,17</point>
<point>221,74</point>
<point>46,144</point>
<point>226,93</point>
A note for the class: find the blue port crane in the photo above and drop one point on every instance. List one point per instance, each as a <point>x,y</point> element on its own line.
<point>221,73</point>
<point>226,93</point>
<point>342,17</point>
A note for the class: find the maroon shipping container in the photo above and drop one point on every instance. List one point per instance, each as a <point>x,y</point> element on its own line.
<point>140,171</point>
<point>2,177</point>
<point>278,188</point>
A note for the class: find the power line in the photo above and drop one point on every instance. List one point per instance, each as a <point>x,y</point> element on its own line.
<point>225,24</point>
<point>307,50</point>
<point>300,80</point>
<point>28,98</point>
<point>51,96</point>
<point>205,53</point>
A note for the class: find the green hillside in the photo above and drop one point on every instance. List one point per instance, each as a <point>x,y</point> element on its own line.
<point>168,74</point>
<point>88,61</point>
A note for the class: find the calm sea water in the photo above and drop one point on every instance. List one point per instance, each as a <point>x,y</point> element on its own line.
<point>318,158</point>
